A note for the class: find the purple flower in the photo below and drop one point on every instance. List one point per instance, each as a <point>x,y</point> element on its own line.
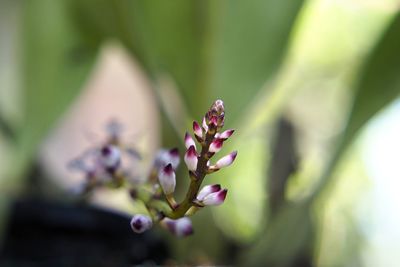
<point>225,134</point>
<point>110,157</point>
<point>181,227</point>
<point>225,161</point>
<point>216,145</point>
<point>141,223</point>
<point>215,199</point>
<point>206,190</point>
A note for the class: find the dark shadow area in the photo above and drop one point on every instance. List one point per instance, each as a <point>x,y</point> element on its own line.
<point>42,233</point>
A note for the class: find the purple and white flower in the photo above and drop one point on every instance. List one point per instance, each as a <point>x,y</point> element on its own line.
<point>197,130</point>
<point>167,179</point>
<point>215,199</point>
<point>141,223</point>
<point>206,190</point>
<point>189,141</point>
<point>110,157</point>
<point>216,145</point>
<point>191,158</point>
<point>224,161</point>
<point>225,134</point>
<point>181,227</point>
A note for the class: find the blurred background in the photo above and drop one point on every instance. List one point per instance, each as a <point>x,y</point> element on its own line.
<point>311,88</point>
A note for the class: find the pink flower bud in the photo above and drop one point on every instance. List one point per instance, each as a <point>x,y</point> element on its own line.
<point>110,156</point>
<point>225,134</point>
<point>215,199</point>
<point>189,141</point>
<point>225,161</point>
<point>141,223</point>
<point>167,179</point>
<point>181,227</point>
<point>206,190</point>
<point>191,158</point>
<point>197,130</point>
<point>213,121</point>
<point>216,145</point>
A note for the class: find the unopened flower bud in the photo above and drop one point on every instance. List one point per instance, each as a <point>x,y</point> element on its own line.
<point>167,179</point>
<point>110,156</point>
<point>204,124</point>
<point>221,119</point>
<point>189,141</point>
<point>213,121</point>
<point>206,190</point>
<point>225,134</point>
<point>191,158</point>
<point>218,106</point>
<point>197,130</point>
<point>216,145</point>
<point>181,227</point>
<point>141,223</point>
<point>216,116</point>
<point>225,161</point>
<point>215,199</point>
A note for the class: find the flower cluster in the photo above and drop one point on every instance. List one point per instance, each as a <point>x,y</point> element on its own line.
<point>102,165</point>
<point>157,193</point>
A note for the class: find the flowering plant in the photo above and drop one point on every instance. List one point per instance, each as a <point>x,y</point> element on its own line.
<point>105,168</point>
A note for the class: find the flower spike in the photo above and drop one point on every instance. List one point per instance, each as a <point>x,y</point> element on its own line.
<point>108,166</point>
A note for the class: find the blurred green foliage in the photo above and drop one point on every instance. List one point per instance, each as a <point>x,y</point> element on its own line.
<point>234,50</point>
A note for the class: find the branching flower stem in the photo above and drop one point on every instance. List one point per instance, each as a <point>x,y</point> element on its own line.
<point>196,178</point>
